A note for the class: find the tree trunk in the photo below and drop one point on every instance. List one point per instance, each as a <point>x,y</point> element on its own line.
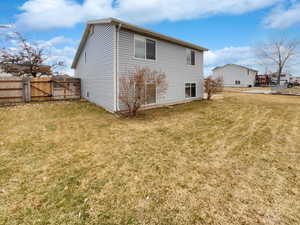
<point>279,76</point>
<point>208,95</point>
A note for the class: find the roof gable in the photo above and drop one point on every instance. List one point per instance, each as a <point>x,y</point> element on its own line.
<point>133,28</point>
<point>234,65</point>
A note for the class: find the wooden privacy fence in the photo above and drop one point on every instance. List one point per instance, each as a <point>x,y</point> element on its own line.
<point>11,90</point>
<point>38,89</point>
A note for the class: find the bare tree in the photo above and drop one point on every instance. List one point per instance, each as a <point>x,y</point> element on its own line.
<point>26,59</point>
<point>279,53</point>
<point>138,87</point>
<point>213,86</point>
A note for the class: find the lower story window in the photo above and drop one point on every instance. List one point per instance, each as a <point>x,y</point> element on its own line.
<point>237,82</point>
<point>190,90</point>
<point>150,93</point>
<point>147,92</point>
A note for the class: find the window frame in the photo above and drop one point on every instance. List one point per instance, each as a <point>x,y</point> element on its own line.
<point>145,93</point>
<point>146,47</point>
<point>147,83</point>
<point>144,38</point>
<point>185,86</point>
<point>189,53</point>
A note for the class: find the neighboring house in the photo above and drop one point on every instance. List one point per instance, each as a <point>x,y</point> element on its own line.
<point>235,75</point>
<point>111,48</point>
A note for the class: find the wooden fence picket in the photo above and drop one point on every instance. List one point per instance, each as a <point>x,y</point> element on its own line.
<point>38,89</point>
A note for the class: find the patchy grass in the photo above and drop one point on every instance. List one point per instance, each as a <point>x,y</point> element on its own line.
<point>291,91</point>
<point>230,161</point>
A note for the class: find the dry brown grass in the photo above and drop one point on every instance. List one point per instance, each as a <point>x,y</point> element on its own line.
<point>230,161</point>
<point>237,89</point>
<point>291,91</point>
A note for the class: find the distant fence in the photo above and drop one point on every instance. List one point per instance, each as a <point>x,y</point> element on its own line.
<point>14,89</point>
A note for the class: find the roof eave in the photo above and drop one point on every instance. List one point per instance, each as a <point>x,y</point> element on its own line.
<point>151,33</point>
<point>81,44</point>
<point>133,28</point>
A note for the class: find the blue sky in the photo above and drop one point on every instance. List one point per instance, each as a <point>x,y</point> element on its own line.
<point>229,28</point>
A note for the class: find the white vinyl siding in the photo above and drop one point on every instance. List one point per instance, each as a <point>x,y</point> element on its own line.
<point>170,59</point>
<point>96,67</point>
<point>98,63</point>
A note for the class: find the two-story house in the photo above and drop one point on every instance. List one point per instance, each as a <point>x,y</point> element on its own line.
<point>111,48</point>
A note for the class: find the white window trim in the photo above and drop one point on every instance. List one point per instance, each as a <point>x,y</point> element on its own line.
<point>192,82</point>
<point>139,37</point>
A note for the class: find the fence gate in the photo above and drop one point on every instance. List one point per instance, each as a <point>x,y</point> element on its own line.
<point>41,89</point>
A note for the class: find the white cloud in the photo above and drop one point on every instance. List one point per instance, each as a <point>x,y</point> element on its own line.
<point>55,53</point>
<point>244,55</point>
<point>43,14</point>
<point>65,54</point>
<point>7,26</point>
<point>282,17</point>
<point>54,41</point>
<point>40,14</point>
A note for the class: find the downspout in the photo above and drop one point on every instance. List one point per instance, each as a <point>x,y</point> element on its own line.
<point>117,66</point>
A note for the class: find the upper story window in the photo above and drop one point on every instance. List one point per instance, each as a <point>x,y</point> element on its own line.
<point>190,58</point>
<point>144,48</point>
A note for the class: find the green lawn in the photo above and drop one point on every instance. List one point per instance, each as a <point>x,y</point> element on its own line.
<point>234,160</point>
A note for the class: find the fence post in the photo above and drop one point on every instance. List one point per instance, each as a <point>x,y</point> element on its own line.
<point>26,89</point>
<point>52,88</point>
